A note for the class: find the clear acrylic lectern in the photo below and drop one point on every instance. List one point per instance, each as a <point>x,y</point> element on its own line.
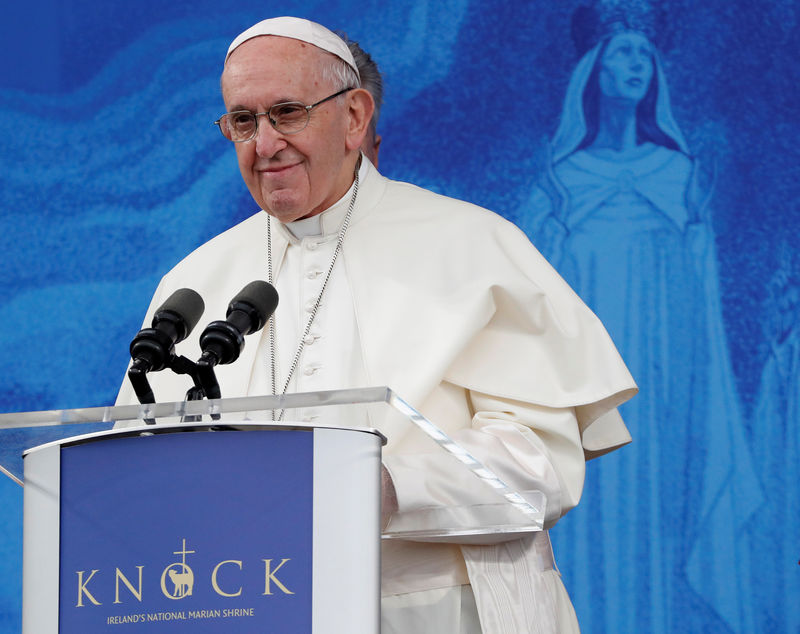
<point>287,486</point>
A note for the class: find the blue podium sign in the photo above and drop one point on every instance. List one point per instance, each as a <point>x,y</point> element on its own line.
<point>169,533</point>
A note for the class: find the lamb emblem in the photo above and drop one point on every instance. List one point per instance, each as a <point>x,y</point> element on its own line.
<point>183,581</point>
<point>180,575</point>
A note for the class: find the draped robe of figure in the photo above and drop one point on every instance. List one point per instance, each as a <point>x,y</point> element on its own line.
<point>776,447</point>
<point>665,518</point>
<point>452,307</point>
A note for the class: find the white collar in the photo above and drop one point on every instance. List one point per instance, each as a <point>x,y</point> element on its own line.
<point>326,223</point>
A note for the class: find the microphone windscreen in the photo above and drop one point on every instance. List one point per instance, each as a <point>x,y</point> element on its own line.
<point>261,296</point>
<point>186,303</point>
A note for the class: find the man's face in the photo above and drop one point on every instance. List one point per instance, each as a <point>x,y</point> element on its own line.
<point>298,175</point>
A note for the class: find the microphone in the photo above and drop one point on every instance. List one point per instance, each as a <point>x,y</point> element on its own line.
<point>222,341</point>
<point>153,349</point>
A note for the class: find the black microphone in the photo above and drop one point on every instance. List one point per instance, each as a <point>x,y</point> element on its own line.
<point>153,349</point>
<point>222,341</point>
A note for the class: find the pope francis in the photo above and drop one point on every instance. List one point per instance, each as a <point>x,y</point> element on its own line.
<point>384,283</point>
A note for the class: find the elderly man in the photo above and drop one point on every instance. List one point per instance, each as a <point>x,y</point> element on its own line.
<point>383,283</point>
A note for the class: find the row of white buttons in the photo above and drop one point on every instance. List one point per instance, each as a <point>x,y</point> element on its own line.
<point>313,272</point>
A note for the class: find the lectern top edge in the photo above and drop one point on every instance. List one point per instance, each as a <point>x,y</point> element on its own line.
<point>23,430</point>
<point>183,427</point>
<point>323,398</point>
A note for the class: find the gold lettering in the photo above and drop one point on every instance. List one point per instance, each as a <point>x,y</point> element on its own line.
<point>270,576</point>
<point>83,590</point>
<point>214,578</point>
<point>119,576</point>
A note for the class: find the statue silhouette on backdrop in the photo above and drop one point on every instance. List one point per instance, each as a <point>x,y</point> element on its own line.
<point>620,214</point>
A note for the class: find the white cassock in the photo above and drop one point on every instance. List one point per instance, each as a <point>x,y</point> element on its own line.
<point>453,308</point>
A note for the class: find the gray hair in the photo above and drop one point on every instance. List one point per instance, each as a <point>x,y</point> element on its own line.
<point>339,73</point>
<point>371,78</point>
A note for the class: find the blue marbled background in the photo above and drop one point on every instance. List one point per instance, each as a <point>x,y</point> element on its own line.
<point>111,171</point>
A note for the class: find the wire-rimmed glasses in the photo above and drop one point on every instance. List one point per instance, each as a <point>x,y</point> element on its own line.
<point>290,117</point>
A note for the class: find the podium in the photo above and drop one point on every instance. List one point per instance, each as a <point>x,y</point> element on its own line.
<point>255,514</point>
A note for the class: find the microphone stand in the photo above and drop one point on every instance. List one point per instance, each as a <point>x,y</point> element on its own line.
<point>202,374</point>
<point>201,388</point>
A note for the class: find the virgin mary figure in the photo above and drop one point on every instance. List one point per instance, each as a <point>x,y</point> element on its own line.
<point>619,214</point>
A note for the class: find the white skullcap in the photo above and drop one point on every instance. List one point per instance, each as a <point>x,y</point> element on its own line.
<point>298,29</point>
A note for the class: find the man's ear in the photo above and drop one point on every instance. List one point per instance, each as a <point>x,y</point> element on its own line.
<point>360,107</point>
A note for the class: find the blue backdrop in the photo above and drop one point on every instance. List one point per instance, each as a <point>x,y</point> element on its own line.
<point>112,170</point>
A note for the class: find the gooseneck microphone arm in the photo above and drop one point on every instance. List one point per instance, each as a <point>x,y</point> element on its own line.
<point>137,374</point>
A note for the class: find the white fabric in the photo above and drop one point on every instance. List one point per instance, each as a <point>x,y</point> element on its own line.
<point>494,318</point>
<point>331,354</point>
<point>450,609</point>
<point>454,309</point>
<point>517,589</point>
<point>298,29</point>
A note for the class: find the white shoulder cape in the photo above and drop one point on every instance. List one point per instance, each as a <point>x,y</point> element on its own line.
<point>444,291</point>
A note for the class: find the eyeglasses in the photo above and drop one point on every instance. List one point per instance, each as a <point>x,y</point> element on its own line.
<point>287,118</point>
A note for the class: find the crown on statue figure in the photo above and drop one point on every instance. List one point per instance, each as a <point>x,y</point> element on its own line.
<point>592,23</point>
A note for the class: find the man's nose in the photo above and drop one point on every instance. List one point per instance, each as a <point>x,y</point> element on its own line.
<point>268,140</point>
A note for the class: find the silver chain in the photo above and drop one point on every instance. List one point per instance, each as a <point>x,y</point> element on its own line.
<point>296,360</point>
